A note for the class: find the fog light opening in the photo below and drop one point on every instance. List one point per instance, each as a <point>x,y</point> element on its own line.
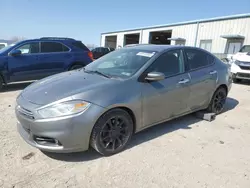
<point>46,141</point>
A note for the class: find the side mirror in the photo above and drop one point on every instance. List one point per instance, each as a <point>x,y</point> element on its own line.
<point>15,53</point>
<point>155,76</point>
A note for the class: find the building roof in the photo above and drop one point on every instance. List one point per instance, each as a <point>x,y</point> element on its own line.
<point>184,23</point>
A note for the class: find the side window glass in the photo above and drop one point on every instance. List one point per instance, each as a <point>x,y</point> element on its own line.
<point>48,47</point>
<point>65,48</point>
<point>98,50</point>
<point>170,63</point>
<point>29,48</point>
<point>198,59</point>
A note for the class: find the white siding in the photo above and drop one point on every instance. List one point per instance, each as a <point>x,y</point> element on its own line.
<point>211,30</point>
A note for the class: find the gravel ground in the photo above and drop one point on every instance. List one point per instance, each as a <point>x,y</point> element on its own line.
<point>183,153</point>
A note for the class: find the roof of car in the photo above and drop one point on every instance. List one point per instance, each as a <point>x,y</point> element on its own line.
<point>49,39</point>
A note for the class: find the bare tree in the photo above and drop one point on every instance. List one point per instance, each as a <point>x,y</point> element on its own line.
<point>17,38</point>
<point>91,46</point>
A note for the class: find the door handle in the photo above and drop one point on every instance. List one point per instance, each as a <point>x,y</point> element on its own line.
<point>183,81</point>
<point>213,72</point>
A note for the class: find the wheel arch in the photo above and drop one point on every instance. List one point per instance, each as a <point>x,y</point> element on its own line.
<point>126,109</point>
<point>223,86</point>
<point>76,63</point>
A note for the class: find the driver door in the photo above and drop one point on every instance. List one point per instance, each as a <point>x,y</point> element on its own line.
<point>166,98</point>
<point>25,67</point>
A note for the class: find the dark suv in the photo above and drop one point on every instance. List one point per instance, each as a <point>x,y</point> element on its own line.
<point>38,58</point>
<point>101,51</point>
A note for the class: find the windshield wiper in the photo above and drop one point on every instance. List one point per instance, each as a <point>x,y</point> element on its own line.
<point>97,72</point>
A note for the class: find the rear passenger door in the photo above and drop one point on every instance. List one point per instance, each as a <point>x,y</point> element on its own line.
<point>54,57</point>
<point>203,77</point>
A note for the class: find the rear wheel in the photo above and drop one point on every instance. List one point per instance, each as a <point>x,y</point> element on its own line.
<point>74,67</point>
<point>112,132</point>
<point>218,101</point>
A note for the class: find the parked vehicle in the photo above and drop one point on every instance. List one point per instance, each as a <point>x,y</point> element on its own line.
<point>101,51</point>
<point>3,45</point>
<point>35,59</point>
<point>120,94</point>
<point>240,64</point>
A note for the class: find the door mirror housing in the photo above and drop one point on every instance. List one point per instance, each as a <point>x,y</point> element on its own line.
<point>155,76</point>
<point>15,53</point>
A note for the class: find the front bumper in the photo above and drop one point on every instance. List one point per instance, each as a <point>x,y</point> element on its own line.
<point>66,135</point>
<point>240,73</point>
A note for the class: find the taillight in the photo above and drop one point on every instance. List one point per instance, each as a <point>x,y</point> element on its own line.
<point>90,54</point>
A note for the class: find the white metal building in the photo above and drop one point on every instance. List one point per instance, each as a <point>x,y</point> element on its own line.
<point>221,35</point>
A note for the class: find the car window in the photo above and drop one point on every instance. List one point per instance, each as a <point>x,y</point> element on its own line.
<point>29,48</point>
<point>197,58</point>
<point>80,45</point>
<point>106,50</point>
<point>99,50</point>
<point>245,48</point>
<point>48,47</point>
<point>2,46</point>
<point>169,63</point>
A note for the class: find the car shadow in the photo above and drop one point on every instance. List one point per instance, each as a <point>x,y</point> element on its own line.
<point>15,87</point>
<point>185,122</point>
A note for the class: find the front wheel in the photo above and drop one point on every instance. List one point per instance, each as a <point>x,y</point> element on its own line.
<point>1,83</point>
<point>112,132</point>
<point>218,101</point>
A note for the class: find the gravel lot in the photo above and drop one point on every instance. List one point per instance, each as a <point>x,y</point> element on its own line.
<point>186,152</point>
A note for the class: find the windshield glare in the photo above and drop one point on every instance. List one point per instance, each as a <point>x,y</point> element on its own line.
<point>121,63</point>
<point>245,49</point>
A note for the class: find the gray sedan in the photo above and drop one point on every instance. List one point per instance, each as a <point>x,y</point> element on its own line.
<point>123,92</point>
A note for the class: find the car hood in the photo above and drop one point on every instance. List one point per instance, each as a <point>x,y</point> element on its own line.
<point>64,85</point>
<point>242,57</point>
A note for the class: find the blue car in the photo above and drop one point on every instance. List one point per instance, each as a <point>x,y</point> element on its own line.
<point>38,58</point>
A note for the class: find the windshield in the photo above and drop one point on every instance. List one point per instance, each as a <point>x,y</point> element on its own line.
<point>245,48</point>
<point>121,63</point>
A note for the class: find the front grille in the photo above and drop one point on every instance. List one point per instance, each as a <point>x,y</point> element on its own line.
<point>244,68</point>
<point>244,75</point>
<point>27,113</point>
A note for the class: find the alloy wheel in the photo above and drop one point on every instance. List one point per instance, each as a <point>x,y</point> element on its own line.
<point>219,101</point>
<point>114,134</point>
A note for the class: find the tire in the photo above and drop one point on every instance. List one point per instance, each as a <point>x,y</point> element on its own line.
<point>218,101</point>
<point>1,83</point>
<point>112,132</point>
<point>74,67</point>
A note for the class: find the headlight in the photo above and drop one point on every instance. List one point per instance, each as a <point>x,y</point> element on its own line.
<point>63,109</point>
